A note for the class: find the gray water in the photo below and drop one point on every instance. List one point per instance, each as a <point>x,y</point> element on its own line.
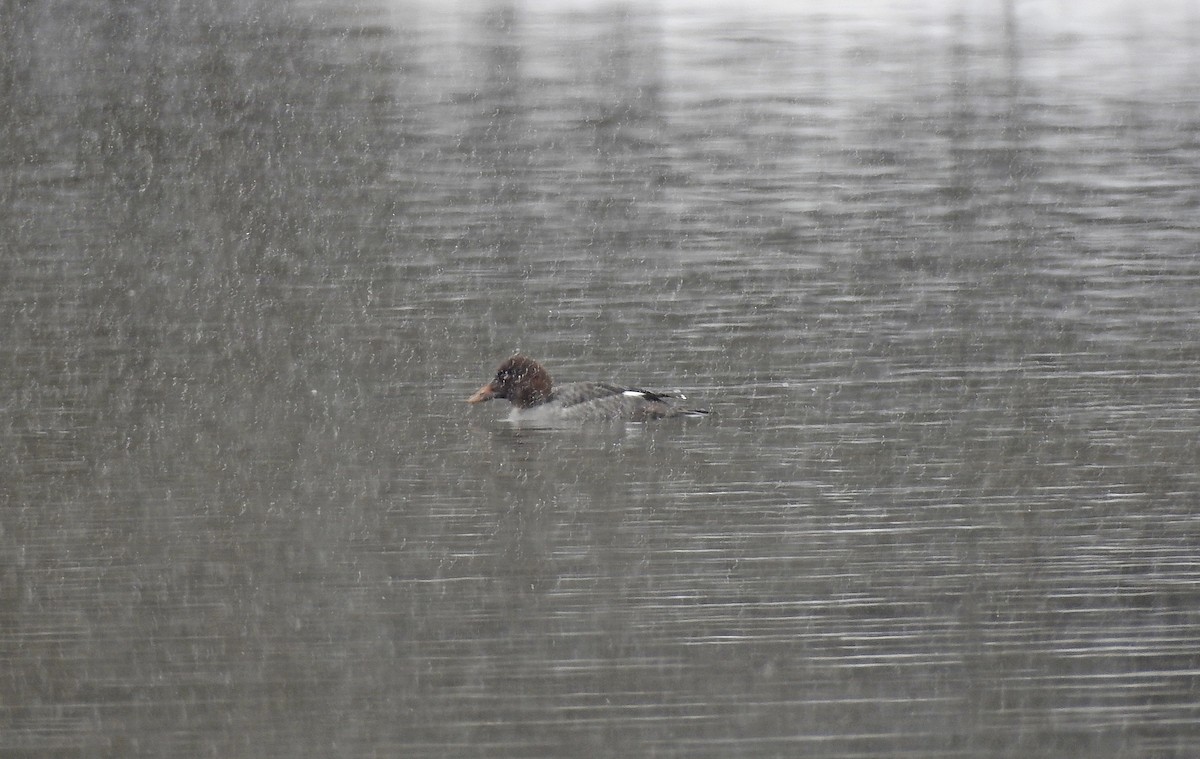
<point>936,270</point>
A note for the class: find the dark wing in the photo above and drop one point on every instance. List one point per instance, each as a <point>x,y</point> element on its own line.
<point>607,400</point>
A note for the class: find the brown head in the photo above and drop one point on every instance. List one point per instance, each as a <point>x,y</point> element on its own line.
<point>520,379</point>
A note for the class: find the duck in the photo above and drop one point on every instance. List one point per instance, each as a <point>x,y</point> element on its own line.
<point>527,386</point>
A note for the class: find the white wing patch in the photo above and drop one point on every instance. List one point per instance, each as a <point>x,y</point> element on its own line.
<point>652,396</point>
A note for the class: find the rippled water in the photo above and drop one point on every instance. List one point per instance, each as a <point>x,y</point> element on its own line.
<point>935,269</point>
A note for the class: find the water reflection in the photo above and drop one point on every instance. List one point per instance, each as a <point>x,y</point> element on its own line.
<point>934,269</point>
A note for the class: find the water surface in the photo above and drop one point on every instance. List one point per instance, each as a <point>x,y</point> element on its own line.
<point>935,271</point>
